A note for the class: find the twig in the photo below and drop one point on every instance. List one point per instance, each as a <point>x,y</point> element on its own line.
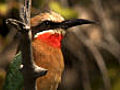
<point>8,52</point>
<point>30,71</point>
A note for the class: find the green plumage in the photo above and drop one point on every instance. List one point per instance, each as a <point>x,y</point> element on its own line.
<point>14,78</point>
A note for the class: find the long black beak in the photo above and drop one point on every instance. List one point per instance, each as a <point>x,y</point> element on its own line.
<point>75,22</point>
<point>46,25</point>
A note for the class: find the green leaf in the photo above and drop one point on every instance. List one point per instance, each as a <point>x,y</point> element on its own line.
<point>14,78</point>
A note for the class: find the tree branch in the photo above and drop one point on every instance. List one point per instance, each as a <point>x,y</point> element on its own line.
<point>30,71</point>
<point>28,68</point>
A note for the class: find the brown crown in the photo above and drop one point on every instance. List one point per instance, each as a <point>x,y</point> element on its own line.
<point>51,16</point>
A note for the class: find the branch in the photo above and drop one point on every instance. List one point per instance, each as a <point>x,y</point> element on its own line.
<point>30,71</point>
<point>28,68</point>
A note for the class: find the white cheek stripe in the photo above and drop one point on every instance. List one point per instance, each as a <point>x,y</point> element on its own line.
<point>40,33</point>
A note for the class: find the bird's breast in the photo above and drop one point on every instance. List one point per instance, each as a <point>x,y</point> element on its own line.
<point>47,56</point>
<point>52,39</point>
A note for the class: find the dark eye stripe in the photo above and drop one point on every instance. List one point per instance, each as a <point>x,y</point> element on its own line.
<point>45,25</point>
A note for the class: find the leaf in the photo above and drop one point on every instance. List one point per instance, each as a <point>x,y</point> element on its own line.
<point>14,78</point>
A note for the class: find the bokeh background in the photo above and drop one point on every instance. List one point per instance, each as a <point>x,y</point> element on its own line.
<point>91,52</point>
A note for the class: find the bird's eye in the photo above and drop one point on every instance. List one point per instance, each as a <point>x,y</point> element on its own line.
<point>47,22</point>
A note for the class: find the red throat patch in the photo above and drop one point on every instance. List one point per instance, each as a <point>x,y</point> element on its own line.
<point>51,39</point>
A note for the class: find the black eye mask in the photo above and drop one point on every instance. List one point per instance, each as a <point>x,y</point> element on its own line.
<point>46,25</point>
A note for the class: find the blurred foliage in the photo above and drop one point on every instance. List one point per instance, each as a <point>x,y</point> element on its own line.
<point>67,13</point>
<point>2,78</point>
<point>2,0</point>
<point>14,78</point>
<point>3,9</point>
<point>39,3</point>
<point>116,85</point>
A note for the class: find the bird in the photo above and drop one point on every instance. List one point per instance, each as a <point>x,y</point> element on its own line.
<point>49,56</point>
<point>48,30</point>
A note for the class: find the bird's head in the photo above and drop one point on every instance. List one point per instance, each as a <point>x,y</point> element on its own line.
<point>51,27</point>
<point>47,22</point>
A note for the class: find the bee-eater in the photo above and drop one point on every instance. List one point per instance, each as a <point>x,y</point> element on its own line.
<point>48,30</point>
